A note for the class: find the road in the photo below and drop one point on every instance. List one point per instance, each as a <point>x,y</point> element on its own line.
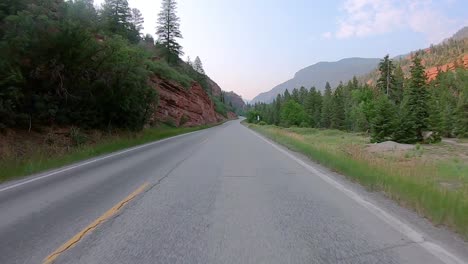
<point>221,195</point>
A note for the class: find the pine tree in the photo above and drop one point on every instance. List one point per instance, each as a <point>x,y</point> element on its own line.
<point>277,109</point>
<point>303,94</point>
<point>168,29</point>
<point>396,93</point>
<point>338,113</point>
<point>137,19</point>
<point>435,109</point>
<point>327,107</point>
<point>313,105</point>
<point>415,112</point>
<point>117,16</point>
<point>386,82</point>
<point>383,123</point>
<point>287,96</point>
<point>461,124</point>
<point>295,95</point>
<point>198,66</point>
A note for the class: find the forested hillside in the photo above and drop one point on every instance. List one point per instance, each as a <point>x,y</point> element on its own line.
<point>69,63</point>
<point>319,74</point>
<point>451,53</point>
<point>404,107</point>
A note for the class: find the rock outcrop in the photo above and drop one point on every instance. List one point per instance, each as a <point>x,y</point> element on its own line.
<point>235,99</point>
<point>183,107</point>
<point>432,72</point>
<point>215,89</point>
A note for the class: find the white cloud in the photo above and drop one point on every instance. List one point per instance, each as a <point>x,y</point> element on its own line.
<point>373,17</point>
<point>327,35</point>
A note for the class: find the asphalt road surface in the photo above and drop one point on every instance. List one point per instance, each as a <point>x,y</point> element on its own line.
<point>221,195</point>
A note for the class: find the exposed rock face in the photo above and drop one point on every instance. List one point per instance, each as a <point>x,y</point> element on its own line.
<point>231,115</point>
<point>236,100</point>
<point>183,107</point>
<point>215,89</point>
<point>432,72</point>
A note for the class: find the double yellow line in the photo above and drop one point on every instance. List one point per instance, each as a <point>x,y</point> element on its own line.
<point>107,215</point>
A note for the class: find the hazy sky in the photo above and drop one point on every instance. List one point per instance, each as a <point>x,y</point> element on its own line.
<point>249,46</point>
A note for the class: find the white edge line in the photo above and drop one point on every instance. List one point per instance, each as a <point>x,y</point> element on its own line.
<point>91,161</point>
<point>440,252</point>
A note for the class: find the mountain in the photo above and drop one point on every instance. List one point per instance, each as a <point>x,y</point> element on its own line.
<point>236,101</point>
<point>448,55</point>
<point>461,34</point>
<point>318,74</point>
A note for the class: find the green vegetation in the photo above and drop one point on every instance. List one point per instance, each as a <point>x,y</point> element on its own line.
<point>39,159</point>
<point>429,180</point>
<point>407,110</point>
<point>449,51</point>
<point>64,63</point>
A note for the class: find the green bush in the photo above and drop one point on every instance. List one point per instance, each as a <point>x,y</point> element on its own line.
<point>220,107</point>
<point>262,123</point>
<point>165,71</point>
<point>293,114</point>
<point>54,71</point>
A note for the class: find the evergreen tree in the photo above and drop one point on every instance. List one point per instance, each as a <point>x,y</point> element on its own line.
<point>383,123</point>
<point>386,82</point>
<point>287,96</point>
<point>313,105</point>
<point>327,107</point>
<point>168,29</point>
<point>137,19</point>
<point>116,16</point>
<point>396,93</point>
<point>348,103</point>
<point>277,110</point>
<point>303,94</point>
<point>295,95</point>
<point>338,113</point>
<point>415,112</point>
<point>198,66</point>
<point>461,125</point>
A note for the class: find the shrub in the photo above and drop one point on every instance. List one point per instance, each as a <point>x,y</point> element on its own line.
<point>262,123</point>
<point>165,71</point>
<point>69,76</point>
<point>293,114</point>
<point>77,138</point>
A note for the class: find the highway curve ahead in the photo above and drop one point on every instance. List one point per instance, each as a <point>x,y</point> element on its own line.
<point>221,195</point>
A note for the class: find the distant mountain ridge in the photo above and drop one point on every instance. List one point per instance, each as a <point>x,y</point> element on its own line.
<point>318,74</point>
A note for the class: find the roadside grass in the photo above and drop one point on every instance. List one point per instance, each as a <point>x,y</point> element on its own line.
<point>40,159</point>
<point>435,188</point>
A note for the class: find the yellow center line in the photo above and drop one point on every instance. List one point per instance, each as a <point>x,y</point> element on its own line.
<point>114,210</point>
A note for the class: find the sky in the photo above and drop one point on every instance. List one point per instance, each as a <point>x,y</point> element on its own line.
<point>250,46</point>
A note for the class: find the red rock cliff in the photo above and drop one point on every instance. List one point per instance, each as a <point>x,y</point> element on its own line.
<point>183,107</point>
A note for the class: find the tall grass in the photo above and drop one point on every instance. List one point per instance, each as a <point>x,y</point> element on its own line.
<point>38,161</point>
<point>414,184</point>
<point>165,71</point>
